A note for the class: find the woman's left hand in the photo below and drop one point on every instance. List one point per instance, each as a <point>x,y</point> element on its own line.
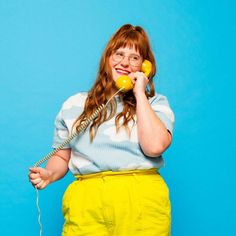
<point>140,82</point>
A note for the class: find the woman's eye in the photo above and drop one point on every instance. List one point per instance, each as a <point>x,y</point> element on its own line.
<point>135,58</point>
<point>119,53</point>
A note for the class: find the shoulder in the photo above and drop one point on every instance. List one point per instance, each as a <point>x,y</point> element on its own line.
<point>158,98</point>
<point>161,106</point>
<point>76,100</point>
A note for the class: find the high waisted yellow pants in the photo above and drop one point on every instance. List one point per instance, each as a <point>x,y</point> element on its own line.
<point>130,203</point>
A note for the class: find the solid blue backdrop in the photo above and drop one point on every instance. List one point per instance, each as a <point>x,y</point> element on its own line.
<point>50,50</point>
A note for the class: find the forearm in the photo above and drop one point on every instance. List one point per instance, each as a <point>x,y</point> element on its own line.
<point>57,168</point>
<point>153,136</point>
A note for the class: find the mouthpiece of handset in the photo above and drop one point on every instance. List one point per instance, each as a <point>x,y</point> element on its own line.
<point>124,82</point>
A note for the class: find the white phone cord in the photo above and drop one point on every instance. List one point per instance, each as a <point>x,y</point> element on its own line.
<point>82,126</point>
<point>39,213</point>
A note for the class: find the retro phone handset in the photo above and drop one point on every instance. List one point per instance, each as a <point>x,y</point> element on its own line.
<point>123,83</point>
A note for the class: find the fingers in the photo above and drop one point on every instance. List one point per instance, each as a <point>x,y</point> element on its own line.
<point>36,172</point>
<point>33,175</point>
<point>138,76</point>
<point>39,177</point>
<point>35,169</point>
<point>140,82</point>
<point>41,185</point>
<point>35,181</point>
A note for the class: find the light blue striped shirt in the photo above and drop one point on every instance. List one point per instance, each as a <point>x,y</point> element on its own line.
<point>109,150</point>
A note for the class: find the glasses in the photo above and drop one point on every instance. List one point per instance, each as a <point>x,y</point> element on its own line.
<point>134,59</point>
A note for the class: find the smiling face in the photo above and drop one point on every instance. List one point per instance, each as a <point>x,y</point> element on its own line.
<point>124,61</point>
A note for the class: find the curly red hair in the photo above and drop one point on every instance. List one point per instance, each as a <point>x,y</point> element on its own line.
<point>127,35</point>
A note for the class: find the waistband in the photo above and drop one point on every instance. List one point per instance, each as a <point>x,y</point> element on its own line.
<point>115,173</point>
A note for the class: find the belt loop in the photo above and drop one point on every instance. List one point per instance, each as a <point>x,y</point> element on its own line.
<point>103,176</point>
<point>78,179</point>
<point>135,176</point>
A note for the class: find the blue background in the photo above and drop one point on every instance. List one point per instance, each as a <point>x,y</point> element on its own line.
<point>50,50</point>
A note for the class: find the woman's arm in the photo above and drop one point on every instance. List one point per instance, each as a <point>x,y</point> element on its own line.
<point>153,136</point>
<point>56,168</point>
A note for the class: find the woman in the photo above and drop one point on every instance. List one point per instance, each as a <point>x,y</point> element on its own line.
<point>118,189</point>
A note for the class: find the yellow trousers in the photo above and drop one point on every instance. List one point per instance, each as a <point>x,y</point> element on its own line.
<point>127,203</point>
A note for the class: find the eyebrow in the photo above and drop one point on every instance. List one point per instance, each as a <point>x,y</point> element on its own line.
<point>120,50</point>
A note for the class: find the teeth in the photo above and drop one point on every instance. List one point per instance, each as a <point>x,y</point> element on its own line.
<point>122,72</point>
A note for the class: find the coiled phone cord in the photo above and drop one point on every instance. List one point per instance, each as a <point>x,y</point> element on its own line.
<point>82,127</point>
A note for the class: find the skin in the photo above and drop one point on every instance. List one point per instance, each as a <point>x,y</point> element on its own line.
<point>56,169</point>
<point>153,136</point>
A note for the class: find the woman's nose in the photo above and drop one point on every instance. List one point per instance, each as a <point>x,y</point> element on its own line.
<point>125,61</point>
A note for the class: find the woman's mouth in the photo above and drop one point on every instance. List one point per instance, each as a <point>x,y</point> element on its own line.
<point>122,71</point>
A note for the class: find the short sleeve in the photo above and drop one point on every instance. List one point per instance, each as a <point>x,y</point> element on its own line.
<point>160,105</point>
<point>61,132</point>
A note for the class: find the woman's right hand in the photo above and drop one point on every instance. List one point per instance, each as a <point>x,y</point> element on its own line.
<point>39,177</point>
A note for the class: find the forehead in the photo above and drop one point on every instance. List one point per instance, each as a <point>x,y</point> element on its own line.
<point>128,49</point>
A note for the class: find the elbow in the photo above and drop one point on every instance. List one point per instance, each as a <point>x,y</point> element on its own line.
<point>154,152</point>
<point>157,150</point>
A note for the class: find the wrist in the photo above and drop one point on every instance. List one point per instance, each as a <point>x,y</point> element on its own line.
<point>140,95</point>
<point>50,176</point>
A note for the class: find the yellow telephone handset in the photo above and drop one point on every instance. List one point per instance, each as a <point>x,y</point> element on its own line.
<point>125,82</point>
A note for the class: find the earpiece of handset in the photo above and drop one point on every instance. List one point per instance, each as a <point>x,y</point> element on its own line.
<point>125,82</point>
<point>146,67</point>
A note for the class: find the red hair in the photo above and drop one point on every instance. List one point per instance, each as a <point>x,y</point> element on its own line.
<point>127,35</point>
